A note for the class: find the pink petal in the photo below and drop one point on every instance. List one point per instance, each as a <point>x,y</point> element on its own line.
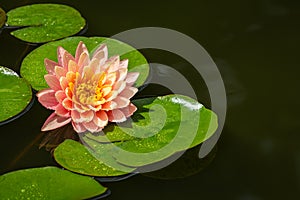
<point>64,57</point>
<point>59,72</point>
<point>111,95</point>
<point>101,54</point>
<point>72,66</point>
<point>52,81</point>
<point>76,116</point>
<point>123,64</point>
<point>129,110</point>
<point>121,102</point>
<point>60,96</point>
<point>87,116</point>
<point>113,64</point>
<point>79,108</point>
<point>61,111</point>
<point>47,98</point>
<point>122,74</point>
<point>79,128</point>
<point>54,121</point>
<point>131,78</point>
<point>100,118</point>
<point>128,92</point>
<point>90,126</point>
<point>64,83</point>
<point>110,78</point>
<point>50,65</point>
<point>116,116</point>
<point>119,86</point>
<point>108,105</point>
<point>94,65</point>
<point>68,104</point>
<point>80,49</point>
<point>83,61</point>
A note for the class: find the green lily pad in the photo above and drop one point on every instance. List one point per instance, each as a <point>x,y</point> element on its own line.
<point>75,157</point>
<point>159,128</point>
<point>33,68</point>
<point>48,183</point>
<point>15,93</point>
<point>44,22</point>
<point>2,17</point>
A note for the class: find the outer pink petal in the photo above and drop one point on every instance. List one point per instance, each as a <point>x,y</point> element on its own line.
<point>54,121</point>
<point>64,57</point>
<point>123,64</point>
<point>87,116</point>
<point>76,116</point>
<point>121,102</point>
<point>47,98</point>
<point>116,116</point>
<point>63,81</point>
<point>90,126</point>
<point>100,118</point>
<point>131,78</point>
<point>79,128</point>
<point>52,81</point>
<point>113,64</point>
<point>128,92</point>
<point>61,111</point>
<point>50,66</point>
<point>122,74</point>
<point>119,86</point>
<point>80,49</point>
<point>109,105</point>
<point>101,53</point>
<point>129,110</point>
<point>60,96</point>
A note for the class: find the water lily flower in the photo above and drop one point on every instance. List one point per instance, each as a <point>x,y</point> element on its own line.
<point>88,92</point>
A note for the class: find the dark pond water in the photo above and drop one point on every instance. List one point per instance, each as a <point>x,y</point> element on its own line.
<point>255,44</point>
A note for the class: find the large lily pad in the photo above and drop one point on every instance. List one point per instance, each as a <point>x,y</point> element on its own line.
<point>48,183</point>
<point>75,157</point>
<point>2,17</point>
<point>159,128</point>
<point>15,93</point>
<point>33,68</point>
<point>44,22</point>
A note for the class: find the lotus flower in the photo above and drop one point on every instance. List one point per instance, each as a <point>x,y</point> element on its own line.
<point>88,92</point>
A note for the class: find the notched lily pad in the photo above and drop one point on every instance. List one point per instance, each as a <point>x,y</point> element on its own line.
<point>76,157</point>
<point>48,183</point>
<point>2,17</point>
<point>159,128</point>
<point>44,22</point>
<point>33,68</point>
<point>15,94</point>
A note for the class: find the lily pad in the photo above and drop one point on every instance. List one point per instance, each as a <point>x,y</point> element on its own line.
<point>48,183</point>
<point>75,157</point>
<point>33,68</point>
<point>2,17</point>
<point>15,93</point>
<point>159,128</point>
<point>44,22</point>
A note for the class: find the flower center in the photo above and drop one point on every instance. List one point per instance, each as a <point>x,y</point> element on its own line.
<point>91,92</point>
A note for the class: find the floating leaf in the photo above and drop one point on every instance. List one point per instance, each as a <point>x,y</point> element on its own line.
<point>48,183</point>
<point>33,68</point>
<point>2,17</point>
<point>15,93</point>
<point>159,128</point>
<point>45,22</point>
<point>75,157</point>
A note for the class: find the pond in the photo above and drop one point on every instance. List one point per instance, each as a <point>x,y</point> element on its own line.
<point>254,45</point>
